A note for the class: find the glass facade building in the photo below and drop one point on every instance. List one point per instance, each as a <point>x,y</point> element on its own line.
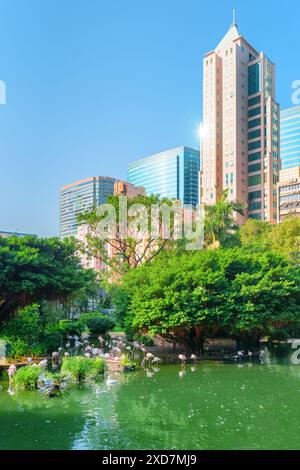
<point>80,197</point>
<point>290,137</point>
<point>173,174</point>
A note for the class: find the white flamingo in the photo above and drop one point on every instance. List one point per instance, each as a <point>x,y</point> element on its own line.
<point>182,358</point>
<point>194,358</point>
<point>11,372</point>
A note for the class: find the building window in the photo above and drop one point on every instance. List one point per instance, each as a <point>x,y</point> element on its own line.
<point>254,180</point>
<point>254,112</point>
<point>254,145</point>
<point>253,168</point>
<point>255,100</point>
<point>254,134</point>
<point>254,195</point>
<point>254,206</point>
<point>254,123</point>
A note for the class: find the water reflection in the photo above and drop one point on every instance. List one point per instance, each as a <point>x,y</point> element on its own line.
<point>209,406</point>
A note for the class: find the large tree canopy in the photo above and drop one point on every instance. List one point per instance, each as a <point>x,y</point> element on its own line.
<point>283,238</point>
<point>123,253</point>
<point>34,269</point>
<point>240,292</point>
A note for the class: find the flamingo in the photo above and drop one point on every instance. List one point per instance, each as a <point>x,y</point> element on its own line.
<point>149,356</point>
<point>194,358</point>
<point>182,358</point>
<point>240,355</point>
<point>55,357</point>
<point>11,372</point>
<point>43,363</point>
<point>155,360</point>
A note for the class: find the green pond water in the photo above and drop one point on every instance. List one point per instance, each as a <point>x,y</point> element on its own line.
<point>212,406</point>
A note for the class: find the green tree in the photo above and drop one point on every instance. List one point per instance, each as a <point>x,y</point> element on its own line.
<point>34,269</point>
<point>255,232</point>
<point>220,226</point>
<point>283,238</point>
<point>238,292</point>
<point>122,253</point>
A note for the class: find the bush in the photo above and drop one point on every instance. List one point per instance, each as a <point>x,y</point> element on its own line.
<point>80,368</point>
<point>70,327</point>
<point>97,323</point>
<point>26,378</point>
<point>25,325</point>
<point>52,338</point>
<point>17,347</point>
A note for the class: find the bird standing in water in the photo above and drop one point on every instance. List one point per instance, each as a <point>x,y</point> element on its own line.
<point>194,358</point>
<point>182,358</point>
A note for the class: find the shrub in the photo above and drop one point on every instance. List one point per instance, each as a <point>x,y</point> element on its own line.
<point>52,338</point>
<point>18,348</point>
<point>81,368</point>
<point>97,323</point>
<point>70,327</point>
<point>26,378</point>
<point>25,325</point>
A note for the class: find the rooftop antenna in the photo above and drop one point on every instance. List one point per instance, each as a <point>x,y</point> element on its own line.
<point>234,18</point>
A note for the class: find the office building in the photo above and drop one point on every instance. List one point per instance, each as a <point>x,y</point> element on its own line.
<point>290,137</point>
<point>289,193</point>
<point>173,174</point>
<point>5,234</point>
<point>240,132</point>
<point>83,195</point>
<point>79,197</point>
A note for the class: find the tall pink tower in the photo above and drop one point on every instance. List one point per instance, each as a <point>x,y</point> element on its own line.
<point>240,138</point>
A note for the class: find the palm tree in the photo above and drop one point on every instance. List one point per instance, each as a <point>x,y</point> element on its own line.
<point>220,225</point>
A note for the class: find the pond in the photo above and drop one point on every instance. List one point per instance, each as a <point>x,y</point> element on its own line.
<point>210,406</point>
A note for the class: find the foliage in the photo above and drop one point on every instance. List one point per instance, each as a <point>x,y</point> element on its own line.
<point>219,225</point>
<point>70,327</point>
<point>26,378</point>
<point>26,325</point>
<point>80,368</point>
<point>120,301</point>
<point>52,338</point>
<point>134,248</point>
<point>283,238</point>
<point>144,339</point>
<point>97,323</point>
<point>255,232</point>
<point>127,364</point>
<point>34,269</point>
<point>239,292</point>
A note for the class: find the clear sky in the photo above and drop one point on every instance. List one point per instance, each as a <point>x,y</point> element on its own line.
<point>93,85</point>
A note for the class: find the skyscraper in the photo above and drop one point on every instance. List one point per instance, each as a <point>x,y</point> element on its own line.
<point>173,174</point>
<point>290,137</point>
<point>83,195</point>
<point>240,138</point>
<point>79,197</point>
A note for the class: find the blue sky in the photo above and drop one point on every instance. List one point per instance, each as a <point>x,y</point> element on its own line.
<point>93,85</point>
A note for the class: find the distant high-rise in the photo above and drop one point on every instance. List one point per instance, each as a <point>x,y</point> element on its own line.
<point>289,193</point>
<point>4,234</point>
<point>79,197</point>
<point>240,138</point>
<point>173,174</point>
<point>290,137</point>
